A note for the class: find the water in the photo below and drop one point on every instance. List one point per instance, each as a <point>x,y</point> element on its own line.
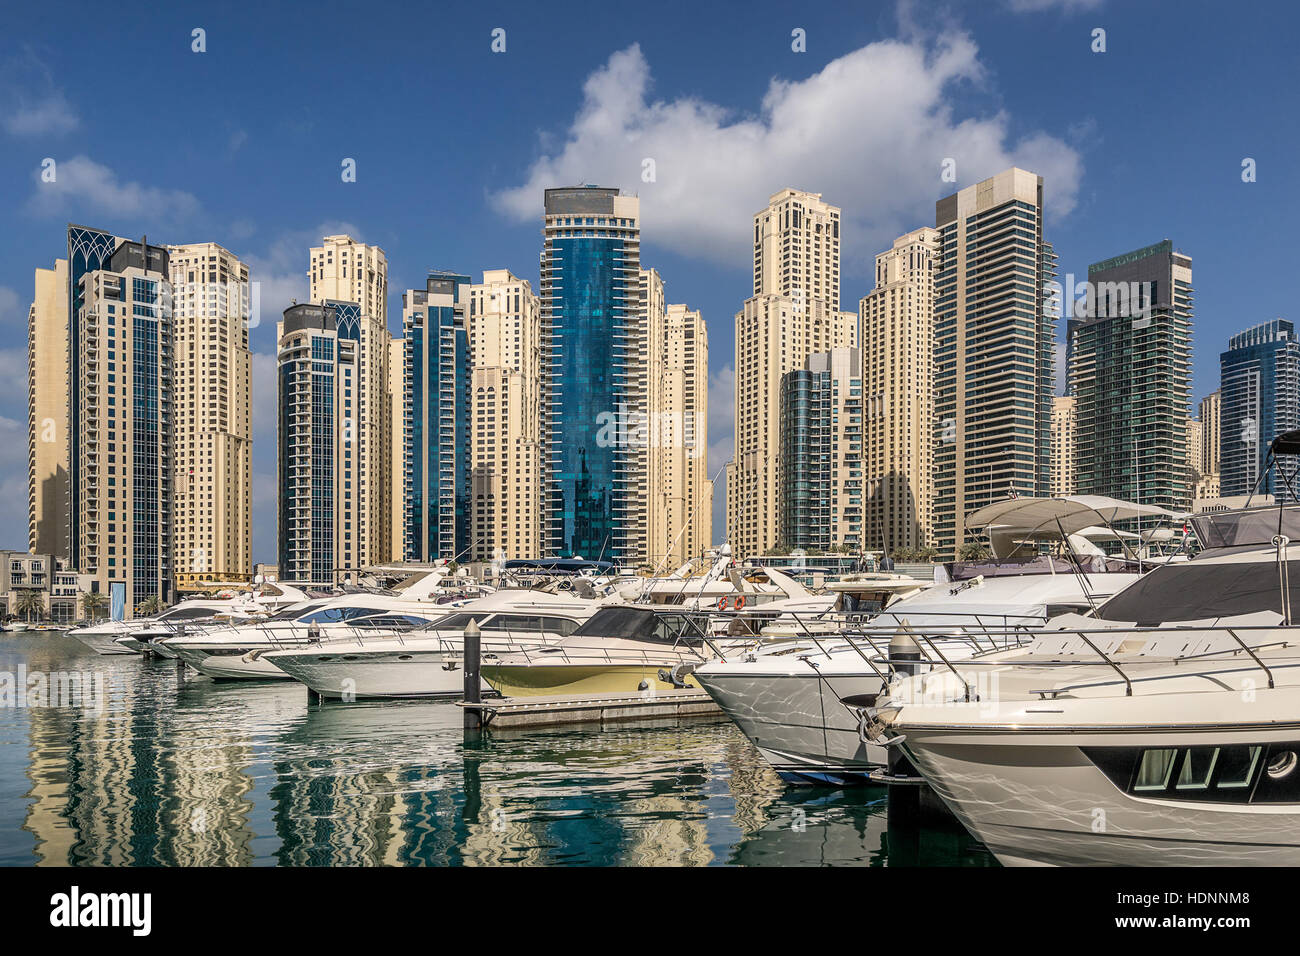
<point>179,770</point>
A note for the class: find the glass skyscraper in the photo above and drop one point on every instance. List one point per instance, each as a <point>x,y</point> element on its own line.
<point>1131,358</point>
<point>436,407</point>
<point>1260,385</point>
<point>592,311</point>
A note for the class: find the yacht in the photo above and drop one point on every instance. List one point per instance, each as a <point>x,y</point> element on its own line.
<point>787,696</point>
<point>119,637</point>
<point>627,648</point>
<point>1164,729</point>
<point>236,653</point>
<point>427,662</point>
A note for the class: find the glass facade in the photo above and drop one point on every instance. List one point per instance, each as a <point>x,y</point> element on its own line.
<point>436,457</point>
<point>806,490</point>
<point>591,302</point>
<point>1260,387</point>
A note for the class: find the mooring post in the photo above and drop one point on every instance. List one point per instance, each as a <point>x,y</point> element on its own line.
<point>473,683</point>
<point>905,791</point>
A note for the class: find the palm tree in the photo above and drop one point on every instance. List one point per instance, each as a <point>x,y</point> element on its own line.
<point>149,606</point>
<point>973,551</point>
<point>93,604</point>
<point>29,602</point>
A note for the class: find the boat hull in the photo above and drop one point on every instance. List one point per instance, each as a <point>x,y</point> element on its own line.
<point>1036,799</point>
<point>797,720</point>
<point>533,680</point>
<point>103,642</point>
<point>396,674</point>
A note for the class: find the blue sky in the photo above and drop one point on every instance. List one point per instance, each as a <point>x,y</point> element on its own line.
<point>242,144</point>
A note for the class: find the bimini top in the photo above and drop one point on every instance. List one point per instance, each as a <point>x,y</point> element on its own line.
<point>1009,522</point>
<point>1229,529</point>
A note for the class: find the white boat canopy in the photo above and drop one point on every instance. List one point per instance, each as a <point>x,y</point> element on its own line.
<point>1010,522</point>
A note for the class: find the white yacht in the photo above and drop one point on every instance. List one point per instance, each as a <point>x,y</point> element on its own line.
<point>427,662</point>
<point>235,653</point>
<point>119,637</point>
<point>1165,730</point>
<point>787,697</point>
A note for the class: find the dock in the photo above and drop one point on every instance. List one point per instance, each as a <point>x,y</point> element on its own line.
<point>601,709</point>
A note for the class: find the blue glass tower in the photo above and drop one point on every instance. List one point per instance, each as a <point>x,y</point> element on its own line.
<point>307,442</point>
<point>436,381</point>
<point>1260,382</point>
<point>591,309</point>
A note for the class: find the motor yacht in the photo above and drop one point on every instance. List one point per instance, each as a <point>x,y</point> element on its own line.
<point>122,637</point>
<point>786,696</point>
<point>626,648</point>
<point>427,662</point>
<point>236,652</point>
<point>1163,730</point>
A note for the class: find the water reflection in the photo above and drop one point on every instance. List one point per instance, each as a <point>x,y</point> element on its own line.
<point>179,770</point>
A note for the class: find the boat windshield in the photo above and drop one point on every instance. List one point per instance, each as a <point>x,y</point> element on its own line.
<point>293,612</point>
<point>1201,590</point>
<point>639,624</point>
<point>1256,526</point>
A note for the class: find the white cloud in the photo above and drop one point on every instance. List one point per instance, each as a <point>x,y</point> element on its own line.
<point>870,131</point>
<point>12,311</point>
<point>30,104</point>
<point>81,183</point>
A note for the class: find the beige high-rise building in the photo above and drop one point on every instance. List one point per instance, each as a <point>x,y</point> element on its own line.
<point>1195,449</point>
<point>994,349</point>
<point>504,320</point>
<point>1064,451</point>
<point>774,335</point>
<point>793,314</point>
<point>797,247</point>
<point>212,415</point>
<point>679,511</point>
<point>47,413</point>
<point>897,332</point>
<point>1210,414</point>
<point>343,271</point>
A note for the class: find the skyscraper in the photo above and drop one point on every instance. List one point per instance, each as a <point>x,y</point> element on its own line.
<point>505,395</point>
<point>897,332</point>
<point>592,345</point>
<point>680,506</point>
<point>1210,415</point>
<point>1064,452</point>
<point>122,393</point>
<point>436,385</point>
<point>820,497</point>
<point>793,314</point>
<point>993,349</point>
<point>1259,378</point>
<point>48,345</point>
<point>314,366</point>
<point>1131,359</point>
<point>354,276</point>
<point>213,415</point>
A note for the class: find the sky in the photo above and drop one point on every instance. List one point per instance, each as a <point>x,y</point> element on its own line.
<point>453,141</point>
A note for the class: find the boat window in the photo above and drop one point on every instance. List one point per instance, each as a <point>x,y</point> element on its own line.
<point>458,622</point>
<point>293,612</point>
<point>619,622</point>
<point>518,622</point>
<point>186,614</point>
<point>1237,773</point>
<point>332,615</point>
<point>1193,591</point>
<point>1153,772</point>
<point>559,625</point>
<point>1197,768</point>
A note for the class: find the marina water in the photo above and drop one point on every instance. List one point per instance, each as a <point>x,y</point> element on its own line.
<point>171,768</point>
